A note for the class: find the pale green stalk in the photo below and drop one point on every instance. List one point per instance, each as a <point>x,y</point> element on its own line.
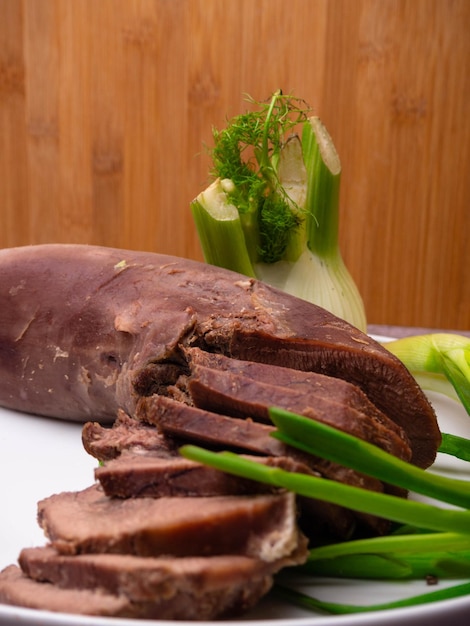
<point>443,356</point>
<point>220,230</point>
<point>294,248</point>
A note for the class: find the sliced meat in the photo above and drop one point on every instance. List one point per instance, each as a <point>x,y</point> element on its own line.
<point>313,384</point>
<point>243,435</point>
<point>187,423</point>
<point>119,320</point>
<point>105,443</point>
<point>146,578</point>
<point>224,432</point>
<point>382,377</point>
<point>182,590</point>
<point>240,396</point>
<point>87,521</point>
<point>134,476</point>
<point>17,589</point>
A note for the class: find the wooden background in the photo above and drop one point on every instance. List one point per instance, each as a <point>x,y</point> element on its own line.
<point>105,107</point>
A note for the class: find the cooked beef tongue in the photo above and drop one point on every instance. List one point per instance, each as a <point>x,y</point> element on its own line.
<point>261,526</point>
<point>239,395</point>
<point>136,476</point>
<point>382,377</point>
<point>201,579</point>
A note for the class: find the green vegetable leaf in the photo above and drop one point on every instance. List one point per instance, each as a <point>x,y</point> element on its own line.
<point>308,602</point>
<point>455,446</point>
<point>390,507</point>
<point>285,189</point>
<point>437,354</point>
<point>441,555</point>
<point>330,443</point>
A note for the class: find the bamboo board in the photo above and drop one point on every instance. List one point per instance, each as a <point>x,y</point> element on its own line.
<point>105,108</point>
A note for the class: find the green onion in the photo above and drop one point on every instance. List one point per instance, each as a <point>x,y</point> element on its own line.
<point>308,602</point>
<point>335,445</point>
<point>437,360</point>
<point>387,506</point>
<point>286,193</point>
<point>455,446</point>
<point>390,566</point>
<point>394,557</point>
<point>433,541</point>
<point>423,542</point>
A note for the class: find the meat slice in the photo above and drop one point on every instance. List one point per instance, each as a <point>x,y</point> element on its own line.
<point>187,423</point>
<point>133,587</point>
<point>313,384</point>
<point>191,424</point>
<point>383,378</point>
<point>224,432</point>
<point>106,443</point>
<point>240,396</point>
<point>182,588</point>
<point>17,589</point>
<point>87,521</point>
<point>134,475</point>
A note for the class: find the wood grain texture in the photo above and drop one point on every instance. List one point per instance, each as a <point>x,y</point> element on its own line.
<point>105,108</point>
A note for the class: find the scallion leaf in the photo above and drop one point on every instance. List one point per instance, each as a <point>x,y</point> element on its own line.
<point>301,599</point>
<point>455,446</point>
<point>335,445</point>
<point>382,505</point>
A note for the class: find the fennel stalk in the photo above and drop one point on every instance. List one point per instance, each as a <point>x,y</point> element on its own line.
<point>282,196</point>
<point>439,362</point>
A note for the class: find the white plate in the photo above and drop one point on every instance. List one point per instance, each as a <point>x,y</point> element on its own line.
<point>39,457</point>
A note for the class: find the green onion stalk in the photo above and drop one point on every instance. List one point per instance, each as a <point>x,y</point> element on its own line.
<point>272,210</point>
<point>430,540</point>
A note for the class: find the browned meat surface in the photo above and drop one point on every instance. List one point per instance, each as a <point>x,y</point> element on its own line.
<point>86,330</point>
<point>310,384</point>
<point>221,431</point>
<point>143,579</point>
<point>171,351</point>
<point>261,526</point>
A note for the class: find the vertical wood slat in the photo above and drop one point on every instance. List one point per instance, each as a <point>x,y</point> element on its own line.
<point>408,69</point>
<point>105,108</point>
<point>14,205</point>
